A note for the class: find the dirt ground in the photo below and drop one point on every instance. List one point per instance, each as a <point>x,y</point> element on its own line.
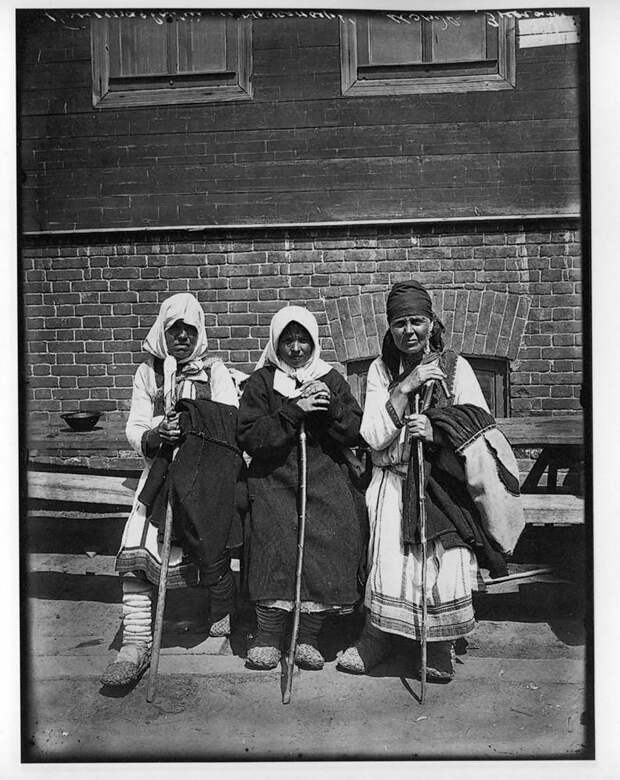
<point>520,689</point>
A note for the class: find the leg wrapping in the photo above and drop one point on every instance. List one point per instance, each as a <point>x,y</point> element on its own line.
<point>309,626</point>
<point>137,602</point>
<point>222,595</point>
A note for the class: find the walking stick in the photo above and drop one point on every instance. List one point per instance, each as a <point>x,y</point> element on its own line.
<point>422,515</point>
<point>301,532</point>
<point>170,365</point>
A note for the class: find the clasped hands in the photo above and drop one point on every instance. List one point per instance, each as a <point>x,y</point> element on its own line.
<point>314,396</point>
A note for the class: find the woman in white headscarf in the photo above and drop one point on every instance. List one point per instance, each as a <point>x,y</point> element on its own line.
<point>179,331</point>
<point>292,384</point>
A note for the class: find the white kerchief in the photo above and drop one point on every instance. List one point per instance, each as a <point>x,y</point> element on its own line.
<point>287,379</point>
<point>182,306</point>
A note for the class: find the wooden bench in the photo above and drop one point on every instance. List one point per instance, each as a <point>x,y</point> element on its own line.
<point>560,439</point>
<point>539,508</point>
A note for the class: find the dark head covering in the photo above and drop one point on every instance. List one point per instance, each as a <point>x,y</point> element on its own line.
<point>408,298</point>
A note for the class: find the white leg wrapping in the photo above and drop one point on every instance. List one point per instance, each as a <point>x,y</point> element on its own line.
<point>137,600</point>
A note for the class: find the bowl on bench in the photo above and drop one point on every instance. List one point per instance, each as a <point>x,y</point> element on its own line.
<point>81,421</point>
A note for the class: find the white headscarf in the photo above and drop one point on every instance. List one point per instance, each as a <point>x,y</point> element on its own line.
<point>182,306</point>
<point>286,377</point>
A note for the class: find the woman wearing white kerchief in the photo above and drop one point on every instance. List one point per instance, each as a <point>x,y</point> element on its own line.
<point>292,384</point>
<point>179,331</point>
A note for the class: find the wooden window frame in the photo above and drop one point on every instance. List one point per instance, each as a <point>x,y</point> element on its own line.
<point>357,375</point>
<point>353,86</point>
<point>500,368</point>
<point>207,90</point>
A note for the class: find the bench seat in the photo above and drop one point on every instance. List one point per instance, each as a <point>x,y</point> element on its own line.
<point>540,508</point>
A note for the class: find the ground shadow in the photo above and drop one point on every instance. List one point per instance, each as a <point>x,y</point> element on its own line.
<point>61,586</point>
<point>51,533</point>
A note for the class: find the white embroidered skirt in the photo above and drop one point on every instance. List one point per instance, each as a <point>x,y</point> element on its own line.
<point>140,552</point>
<point>394,585</point>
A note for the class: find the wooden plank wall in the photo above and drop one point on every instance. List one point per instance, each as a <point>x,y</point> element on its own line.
<point>298,151</point>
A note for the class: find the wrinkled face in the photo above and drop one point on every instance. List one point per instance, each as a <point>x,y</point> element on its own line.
<point>411,333</point>
<point>295,345</point>
<point>181,340</point>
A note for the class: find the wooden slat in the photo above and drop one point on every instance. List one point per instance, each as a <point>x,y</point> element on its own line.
<point>109,438</point>
<point>543,431</point>
<point>82,488</point>
<point>543,508</point>
<point>553,509</point>
<point>520,431</point>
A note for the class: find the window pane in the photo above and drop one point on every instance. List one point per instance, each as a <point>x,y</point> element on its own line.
<point>390,43</point>
<point>460,44</point>
<point>202,45</point>
<point>357,373</point>
<point>142,47</point>
<point>487,384</point>
<point>492,374</point>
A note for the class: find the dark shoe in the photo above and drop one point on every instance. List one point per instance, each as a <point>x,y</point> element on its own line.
<point>371,648</point>
<point>308,657</point>
<point>130,665</point>
<point>440,661</point>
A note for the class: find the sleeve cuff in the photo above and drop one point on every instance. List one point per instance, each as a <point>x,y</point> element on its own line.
<point>335,408</point>
<point>393,414</point>
<point>291,412</point>
<point>150,442</point>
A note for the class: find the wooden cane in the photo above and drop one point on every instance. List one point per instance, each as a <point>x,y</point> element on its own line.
<point>169,400</point>
<point>422,516</point>
<point>301,533</point>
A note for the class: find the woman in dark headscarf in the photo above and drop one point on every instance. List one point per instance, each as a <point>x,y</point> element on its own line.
<point>413,356</point>
<point>292,384</point>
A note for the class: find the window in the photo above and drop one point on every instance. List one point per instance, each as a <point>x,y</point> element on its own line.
<point>492,373</point>
<point>456,53</point>
<point>357,373</point>
<point>143,61</point>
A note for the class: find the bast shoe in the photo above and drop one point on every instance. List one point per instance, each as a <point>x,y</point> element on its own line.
<point>440,657</point>
<point>221,627</point>
<point>263,657</point>
<point>308,657</point>
<point>371,648</point>
<point>128,667</point>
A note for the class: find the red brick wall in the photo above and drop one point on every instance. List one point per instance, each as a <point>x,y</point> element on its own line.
<point>88,304</point>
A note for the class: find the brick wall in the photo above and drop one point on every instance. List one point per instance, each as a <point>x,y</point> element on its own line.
<point>87,304</point>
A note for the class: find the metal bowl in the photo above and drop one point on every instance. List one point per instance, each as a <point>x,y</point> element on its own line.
<point>81,421</point>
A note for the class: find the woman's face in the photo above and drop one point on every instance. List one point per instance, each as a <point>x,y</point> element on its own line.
<point>411,333</point>
<point>181,340</point>
<point>295,345</point>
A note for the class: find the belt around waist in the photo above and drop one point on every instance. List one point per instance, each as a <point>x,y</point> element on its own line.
<point>400,469</point>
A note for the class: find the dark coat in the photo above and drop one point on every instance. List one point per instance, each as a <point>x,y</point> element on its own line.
<point>268,428</point>
<point>202,482</point>
<point>451,512</point>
